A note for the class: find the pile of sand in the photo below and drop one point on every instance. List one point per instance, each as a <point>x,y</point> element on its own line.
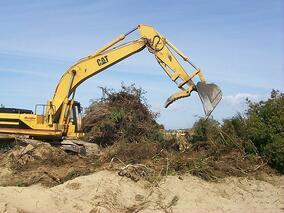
<point>105,191</point>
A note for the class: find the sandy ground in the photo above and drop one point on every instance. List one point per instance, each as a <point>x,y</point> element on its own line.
<point>105,191</point>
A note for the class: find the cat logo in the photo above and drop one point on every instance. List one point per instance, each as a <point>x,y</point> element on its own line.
<point>102,61</point>
<point>29,118</point>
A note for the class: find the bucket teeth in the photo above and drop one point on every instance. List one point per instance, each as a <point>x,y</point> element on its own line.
<point>176,96</point>
<point>210,95</point>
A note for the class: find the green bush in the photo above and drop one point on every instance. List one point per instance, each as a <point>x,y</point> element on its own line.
<point>204,130</point>
<point>265,128</point>
<point>275,153</point>
<point>235,126</point>
<point>259,131</point>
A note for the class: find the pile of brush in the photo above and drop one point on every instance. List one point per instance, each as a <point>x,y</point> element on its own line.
<point>121,116</point>
<point>123,124</point>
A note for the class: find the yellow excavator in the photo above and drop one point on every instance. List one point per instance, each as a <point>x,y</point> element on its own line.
<point>61,116</point>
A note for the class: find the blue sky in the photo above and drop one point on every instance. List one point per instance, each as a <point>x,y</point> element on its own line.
<point>238,44</point>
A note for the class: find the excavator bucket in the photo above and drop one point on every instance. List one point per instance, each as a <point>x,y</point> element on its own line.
<point>210,95</point>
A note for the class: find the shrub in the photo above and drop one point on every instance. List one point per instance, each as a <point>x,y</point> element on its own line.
<point>265,128</point>
<point>204,130</point>
<point>259,131</point>
<point>275,153</point>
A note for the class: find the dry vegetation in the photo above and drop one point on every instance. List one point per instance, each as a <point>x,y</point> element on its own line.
<point>30,162</point>
<point>133,143</point>
<point>123,124</point>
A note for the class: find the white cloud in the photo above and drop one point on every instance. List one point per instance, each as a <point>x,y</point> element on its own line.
<point>240,98</point>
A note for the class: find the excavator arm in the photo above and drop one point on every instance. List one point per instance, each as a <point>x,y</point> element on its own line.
<point>114,52</point>
<point>62,116</point>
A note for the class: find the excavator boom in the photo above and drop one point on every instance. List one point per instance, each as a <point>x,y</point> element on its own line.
<point>62,116</point>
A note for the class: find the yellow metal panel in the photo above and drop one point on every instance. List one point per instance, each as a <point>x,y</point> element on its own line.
<point>9,122</point>
<point>31,132</point>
